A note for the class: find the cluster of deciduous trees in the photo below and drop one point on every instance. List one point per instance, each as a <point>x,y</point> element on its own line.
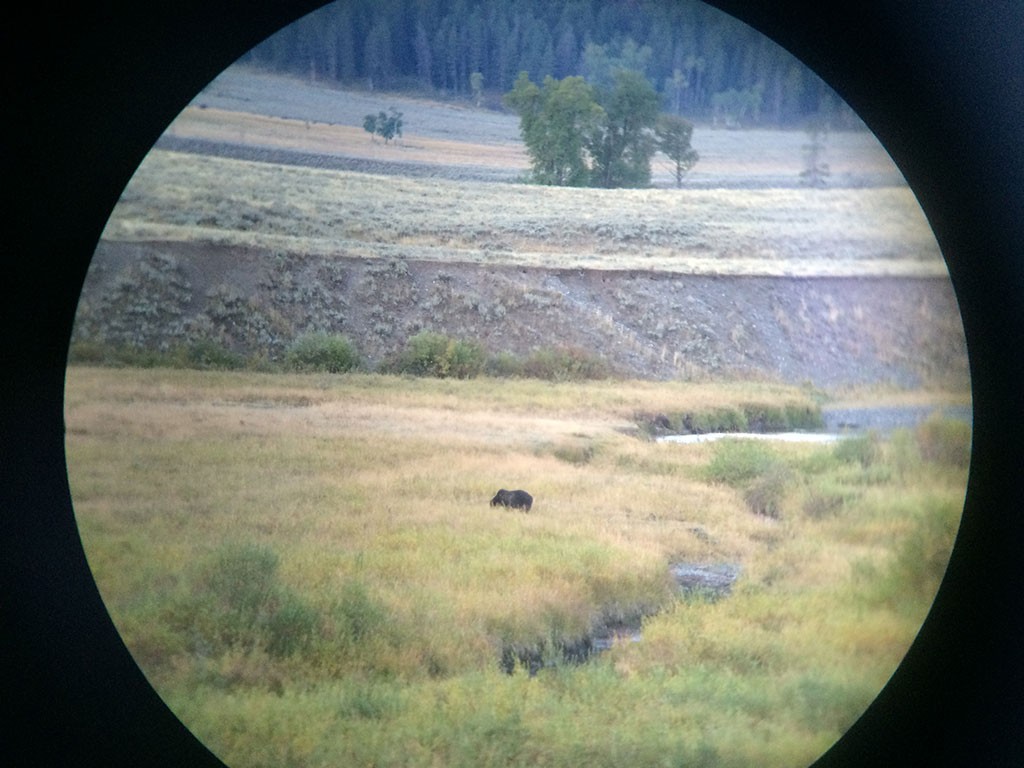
<point>580,134</point>
<point>701,62</point>
<point>387,126</point>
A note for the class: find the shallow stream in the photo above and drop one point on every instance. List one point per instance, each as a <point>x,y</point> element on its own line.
<point>841,423</point>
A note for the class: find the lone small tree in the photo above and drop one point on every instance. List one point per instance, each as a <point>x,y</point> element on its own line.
<point>476,84</point>
<point>370,125</point>
<point>673,134</point>
<point>384,125</point>
<point>816,171</point>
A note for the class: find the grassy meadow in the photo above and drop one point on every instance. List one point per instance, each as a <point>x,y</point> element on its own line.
<point>179,197</point>
<point>307,568</point>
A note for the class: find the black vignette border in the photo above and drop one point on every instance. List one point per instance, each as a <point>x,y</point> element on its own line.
<point>940,83</point>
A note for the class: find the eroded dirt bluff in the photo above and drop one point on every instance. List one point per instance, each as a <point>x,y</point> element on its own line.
<point>826,331</point>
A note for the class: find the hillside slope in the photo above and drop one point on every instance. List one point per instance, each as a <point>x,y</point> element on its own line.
<point>827,331</point>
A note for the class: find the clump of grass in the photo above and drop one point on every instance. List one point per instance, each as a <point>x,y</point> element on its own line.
<point>862,449</point>
<point>764,494</point>
<point>329,353</point>
<point>911,576</point>
<point>945,441</point>
<point>746,417</point>
<point>826,498</point>
<point>755,469</point>
<point>716,420</point>
<point>737,462</point>
<point>239,603</point>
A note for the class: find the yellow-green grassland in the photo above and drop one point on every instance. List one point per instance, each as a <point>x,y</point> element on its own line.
<point>308,570</point>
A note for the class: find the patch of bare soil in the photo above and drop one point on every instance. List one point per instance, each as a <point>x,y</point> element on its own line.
<point>831,332</point>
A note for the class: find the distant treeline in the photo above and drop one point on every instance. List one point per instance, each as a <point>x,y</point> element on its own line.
<point>705,64</point>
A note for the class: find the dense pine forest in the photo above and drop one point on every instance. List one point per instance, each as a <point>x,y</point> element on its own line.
<point>704,64</point>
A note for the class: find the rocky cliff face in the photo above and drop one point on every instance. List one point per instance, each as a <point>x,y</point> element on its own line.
<point>826,331</point>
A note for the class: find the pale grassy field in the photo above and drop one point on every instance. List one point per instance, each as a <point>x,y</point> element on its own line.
<point>183,197</point>
<point>372,494</point>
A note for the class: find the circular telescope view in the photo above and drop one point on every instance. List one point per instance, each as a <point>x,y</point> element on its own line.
<point>521,383</point>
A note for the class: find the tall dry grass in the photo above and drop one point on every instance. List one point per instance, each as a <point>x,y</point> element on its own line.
<point>350,514</point>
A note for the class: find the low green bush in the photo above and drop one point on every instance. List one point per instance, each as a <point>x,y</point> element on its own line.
<point>504,365</point>
<point>575,454</point>
<point>465,359</point>
<point>565,364</point>
<point>755,469</point>
<point>322,352</point>
<point>737,462</point>
<point>208,354</point>
<point>119,355</point>
<point>429,353</point>
<point>198,354</point>
<point>238,603</point>
<point>806,417</point>
<point>765,418</point>
<point>828,498</point>
<point>356,615</point>
<point>88,353</point>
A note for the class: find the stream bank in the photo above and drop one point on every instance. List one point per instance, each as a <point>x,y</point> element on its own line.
<point>694,581</point>
<point>839,423</point>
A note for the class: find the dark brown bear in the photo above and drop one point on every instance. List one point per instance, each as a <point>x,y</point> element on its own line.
<point>514,499</point>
